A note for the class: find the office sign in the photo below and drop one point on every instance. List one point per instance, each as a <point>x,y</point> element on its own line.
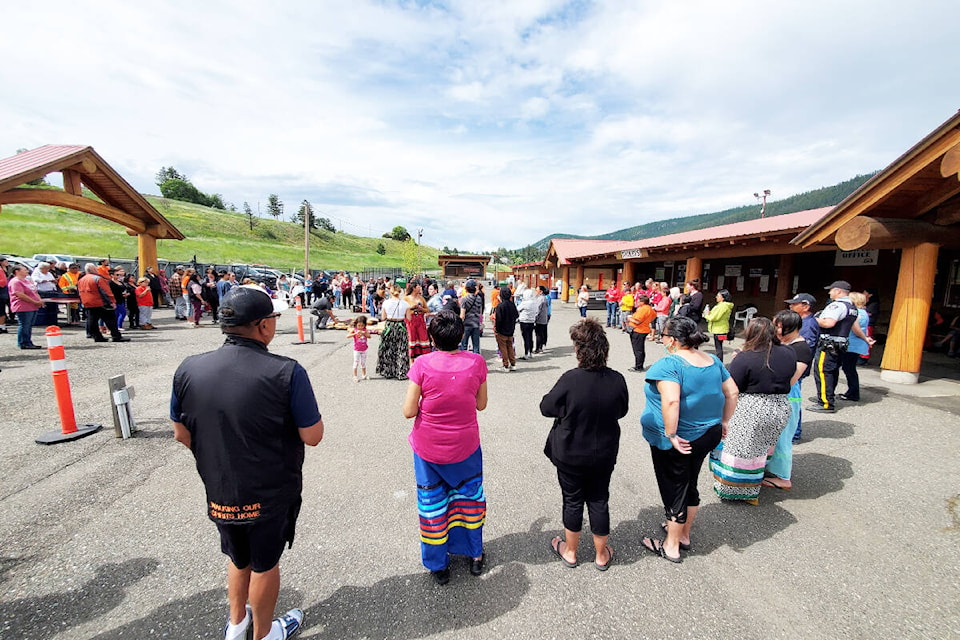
<point>858,258</point>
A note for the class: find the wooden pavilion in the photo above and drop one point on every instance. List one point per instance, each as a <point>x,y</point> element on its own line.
<point>83,167</point>
<point>912,206</point>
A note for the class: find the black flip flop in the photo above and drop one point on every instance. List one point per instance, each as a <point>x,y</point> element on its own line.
<point>656,546</point>
<point>556,551</point>
<point>606,565</point>
<point>683,547</point>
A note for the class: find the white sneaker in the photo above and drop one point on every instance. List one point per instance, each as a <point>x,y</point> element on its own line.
<point>240,630</point>
<point>513,367</point>
<point>287,625</point>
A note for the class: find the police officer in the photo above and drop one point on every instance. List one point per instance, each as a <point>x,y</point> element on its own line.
<point>836,322</point>
<point>246,414</point>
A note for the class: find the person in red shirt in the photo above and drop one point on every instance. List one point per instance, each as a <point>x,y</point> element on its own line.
<point>640,327</point>
<point>99,303</point>
<point>612,296</point>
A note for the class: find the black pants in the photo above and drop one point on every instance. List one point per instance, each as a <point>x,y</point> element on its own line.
<point>677,473</point>
<point>109,318</point>
<point>849,362</point>
<point>541,331</point>
<point>588,485</point>
<point>718,344</point>
<point>639,343</point>
<point>133,313</point>
<point>826,373</point>
<point>526,330</point>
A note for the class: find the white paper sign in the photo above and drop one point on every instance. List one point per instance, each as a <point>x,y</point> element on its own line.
<point>858,258</point>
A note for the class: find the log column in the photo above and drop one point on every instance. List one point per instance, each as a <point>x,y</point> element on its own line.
<point>565,294</point>
<point>784,279</point>
<point>628,273</point>
<point>903,351</point>
<point>579,282</point>
<point>694,270</point>
<point>147,252</point>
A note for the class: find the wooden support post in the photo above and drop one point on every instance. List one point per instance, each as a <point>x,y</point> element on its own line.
<point>903,351</point>
<point>565,294</point>
<point>784,279</point>
<point>628,273</point>
<point>694,269</point>
<point>71,182</point>
<point>579,282</point>
<point>147,252</point>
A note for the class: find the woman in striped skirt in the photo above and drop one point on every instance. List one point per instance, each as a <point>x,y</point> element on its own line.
<point>447,388</point>
<point>762,370</point>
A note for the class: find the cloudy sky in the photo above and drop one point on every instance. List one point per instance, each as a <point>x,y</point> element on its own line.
<point>485,123</point>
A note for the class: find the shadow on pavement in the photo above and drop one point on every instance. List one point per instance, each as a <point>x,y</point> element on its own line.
<point>413,606</point>
<point>42,617</point>
<point>200,615</point>
<point>829,429</point>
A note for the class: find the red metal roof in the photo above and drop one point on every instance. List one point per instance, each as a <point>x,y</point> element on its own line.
<point>788,222</point>
<point>29,162</point>
<point>569,248</point>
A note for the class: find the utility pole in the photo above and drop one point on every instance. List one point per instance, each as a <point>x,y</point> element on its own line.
<point>307,214</point>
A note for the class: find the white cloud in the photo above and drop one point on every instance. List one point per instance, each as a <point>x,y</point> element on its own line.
<point>490,123</point>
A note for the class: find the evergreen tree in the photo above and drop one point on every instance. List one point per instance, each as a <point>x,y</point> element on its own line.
<point>247,211</point>
<point>306,211</point>
<point>274,206</point>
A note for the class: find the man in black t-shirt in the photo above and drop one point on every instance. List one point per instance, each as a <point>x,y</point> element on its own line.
<point>248,440</point>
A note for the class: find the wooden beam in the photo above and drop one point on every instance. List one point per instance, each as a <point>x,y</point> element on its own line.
<point>892,233</point>
<point>71,182</point>
<point>146,252</point>
<point>694,269</point>
<point>932,199</point>
<point>884,187</point>
<point>948,214</point>
<point>785,278</point>
<point>565,294</point>
<point>911,309</point>
<point>63,199</point>
<point>950,165</point>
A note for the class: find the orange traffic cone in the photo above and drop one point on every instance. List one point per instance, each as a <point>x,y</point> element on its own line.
<point>61,389</point>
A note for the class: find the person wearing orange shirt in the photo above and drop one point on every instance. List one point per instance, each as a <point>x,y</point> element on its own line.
<point>68,285</point>
<point>640,327</point>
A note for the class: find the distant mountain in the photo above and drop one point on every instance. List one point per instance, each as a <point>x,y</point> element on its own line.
<point>822,197</point>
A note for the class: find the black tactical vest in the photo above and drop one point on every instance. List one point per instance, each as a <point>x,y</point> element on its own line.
<point>235,402</point>
<point>843,326</point>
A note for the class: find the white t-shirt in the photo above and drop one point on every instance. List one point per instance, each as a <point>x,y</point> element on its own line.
<point>395,309</point>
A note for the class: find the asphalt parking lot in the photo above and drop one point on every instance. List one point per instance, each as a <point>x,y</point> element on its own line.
<point>107,538</point>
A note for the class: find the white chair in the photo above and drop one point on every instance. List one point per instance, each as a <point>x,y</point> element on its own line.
<point>744,316</point>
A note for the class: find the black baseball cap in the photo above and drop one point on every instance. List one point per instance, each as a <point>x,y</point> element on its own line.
<point>802,297</point>
<point>245,304</point>
<point>840,284</point>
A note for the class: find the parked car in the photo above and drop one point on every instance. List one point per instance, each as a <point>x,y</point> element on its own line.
<point>29,263</point>
<point>597,300</point>
<point>53,258</point>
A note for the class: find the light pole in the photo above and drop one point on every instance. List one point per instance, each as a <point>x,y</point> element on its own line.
<point>763,200</point>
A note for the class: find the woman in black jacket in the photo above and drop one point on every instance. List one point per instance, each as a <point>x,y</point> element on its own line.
<point>586,404</point>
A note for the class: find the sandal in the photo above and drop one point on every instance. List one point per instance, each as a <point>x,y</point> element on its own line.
<point>656,546</point>
<point>555,545</point>
<point>683,547</point>
<point>769,482</point>
<point>606,565</point>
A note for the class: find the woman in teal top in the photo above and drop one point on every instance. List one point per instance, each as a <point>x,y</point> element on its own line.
<point>690,399</point>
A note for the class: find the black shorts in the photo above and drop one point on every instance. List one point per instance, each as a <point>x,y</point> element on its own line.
<point>258,545</point>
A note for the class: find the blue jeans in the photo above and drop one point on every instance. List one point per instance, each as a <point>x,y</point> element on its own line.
<point>25,330</point>
<point>613,309</point>
<point>583,312</point>
<point>468,334</point>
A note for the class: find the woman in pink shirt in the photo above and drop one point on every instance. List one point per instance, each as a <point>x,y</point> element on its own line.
<point>447,388</point>
<point>24,301</point>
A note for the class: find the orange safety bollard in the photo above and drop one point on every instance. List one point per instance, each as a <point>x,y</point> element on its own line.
<point>61,389</point>
<point>300,338</point>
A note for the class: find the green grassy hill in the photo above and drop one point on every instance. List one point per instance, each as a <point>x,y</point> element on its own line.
<point>211,234</point>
